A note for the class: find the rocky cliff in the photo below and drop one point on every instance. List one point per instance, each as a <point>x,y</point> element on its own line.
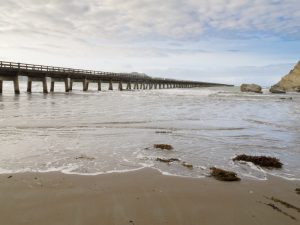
<point>290,82</point>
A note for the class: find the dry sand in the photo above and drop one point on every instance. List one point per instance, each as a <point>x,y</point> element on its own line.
<point>143,197</point>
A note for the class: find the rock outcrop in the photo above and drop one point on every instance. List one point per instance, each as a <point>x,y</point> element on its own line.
<point>290,82</point>
<point>251,88</point>
<point>277,89</point>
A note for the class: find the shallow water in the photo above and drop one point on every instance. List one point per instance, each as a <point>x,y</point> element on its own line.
<point>116,130</point>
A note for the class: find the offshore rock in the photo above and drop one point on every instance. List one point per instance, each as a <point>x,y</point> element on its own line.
<point>251,88</point>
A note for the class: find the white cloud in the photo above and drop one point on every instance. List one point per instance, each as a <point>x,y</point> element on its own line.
<point>140,19</point>
<point>150,34</point>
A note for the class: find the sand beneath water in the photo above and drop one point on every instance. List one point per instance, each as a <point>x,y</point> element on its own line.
<point>144,197</point>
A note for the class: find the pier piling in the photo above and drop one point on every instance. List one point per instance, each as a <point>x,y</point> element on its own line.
<point>99,85</point>
<point>110,86</point>
<point>85,85</point>
<point>120,86</point>
<point>128,86</point>
<point>14,79</point>
<point>37,79</point>
<point>65,80</point>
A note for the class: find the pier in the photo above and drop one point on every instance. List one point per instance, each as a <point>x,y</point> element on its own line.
<point>11,71</point>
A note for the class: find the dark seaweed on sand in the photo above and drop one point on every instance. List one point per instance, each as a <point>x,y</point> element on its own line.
<point>264,161</point>
<point>167,160</point>
<point>163,146</point>
<point>223,175</point>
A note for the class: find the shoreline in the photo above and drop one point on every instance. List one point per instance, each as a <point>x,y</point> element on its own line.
<point>144,196</point>
<point>164,173</point>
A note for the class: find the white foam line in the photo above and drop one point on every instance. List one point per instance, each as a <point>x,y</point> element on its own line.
<point>68,171</point>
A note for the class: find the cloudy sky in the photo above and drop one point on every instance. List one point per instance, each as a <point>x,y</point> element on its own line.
<point>229,41</point>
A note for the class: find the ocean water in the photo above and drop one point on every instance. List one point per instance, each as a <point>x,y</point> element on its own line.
<point>111,131</point>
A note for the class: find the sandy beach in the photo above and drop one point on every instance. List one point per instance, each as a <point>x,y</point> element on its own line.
<point>144,197</point>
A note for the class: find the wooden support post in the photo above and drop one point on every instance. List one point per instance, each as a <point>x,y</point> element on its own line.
<point>29,85</point>
<point>1,86</point>
<point>85,85</point>
<point>128,86</point>
<point>71,85</point>
<point>66,85</point>
<point>99,85</point>
<point>16,85</point>
<point>141,86</point>
<point>120,86</point>
<point>45,88</point>
<point>110,86</point>
<point>52,86</point>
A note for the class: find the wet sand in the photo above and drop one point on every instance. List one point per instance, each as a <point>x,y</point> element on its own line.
<point>143,197</point>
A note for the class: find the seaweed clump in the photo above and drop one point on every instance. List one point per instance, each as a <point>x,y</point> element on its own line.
<point>167,160</point>
<point>223,175</point>
<point>163,132</point>
<point>187,165</point>
<point>264,161</point>
<point>84,157</point>
<point>297,191</point>
<point>163,146</point>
